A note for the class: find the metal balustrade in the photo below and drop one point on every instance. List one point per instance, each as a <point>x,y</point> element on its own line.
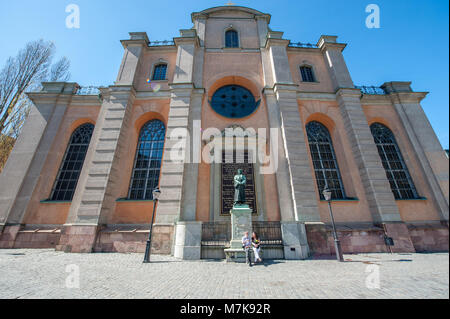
<point>371,90</point>
<point>219,233</point>
<point>88,90</point>
<point>161,43</point>
<point>302,45</point>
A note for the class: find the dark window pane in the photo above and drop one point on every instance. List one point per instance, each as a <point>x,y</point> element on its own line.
<point>67,178</point>
<point>145,176</point>
<point>159,74</point>
<point>307,74</point>
<point>396,171</point>
<point>324,160</point>
<point>231,39</point>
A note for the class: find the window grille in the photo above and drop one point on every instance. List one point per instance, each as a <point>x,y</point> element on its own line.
<point>324,160</point>
<point>307,74</point>
<point>159,74</point>
<point>147,164</point>
<point>69,172</point>
<point>396,170</point>
<point>231,39</point>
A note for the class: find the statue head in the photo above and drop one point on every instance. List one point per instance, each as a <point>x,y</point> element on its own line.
<point>240,171</point>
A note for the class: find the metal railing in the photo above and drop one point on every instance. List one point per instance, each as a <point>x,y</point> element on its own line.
<point>371,90</point>
<point>219,233</point>
<point>161,43</point>
<point>88,90</point>
<point>216,234</point>
<point>268,232</point>
<point>302,45</point>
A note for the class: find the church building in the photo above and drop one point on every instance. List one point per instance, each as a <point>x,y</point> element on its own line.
<point>82,173</point>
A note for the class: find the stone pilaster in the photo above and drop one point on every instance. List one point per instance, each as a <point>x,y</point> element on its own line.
<point>179,176</point>
<point>381,201</point>
<point>426,145</point>
<point>92,199</point>
<point>378,191</point>
<point>295,183</point>
<point>23,168</point>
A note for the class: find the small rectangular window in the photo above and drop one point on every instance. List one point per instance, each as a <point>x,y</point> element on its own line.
<point>159,74</point>
<point>307,74</point>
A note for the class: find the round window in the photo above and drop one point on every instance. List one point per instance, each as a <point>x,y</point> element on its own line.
<point>234,101</point>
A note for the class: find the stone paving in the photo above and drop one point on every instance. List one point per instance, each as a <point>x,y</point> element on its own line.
<point>42,274</point>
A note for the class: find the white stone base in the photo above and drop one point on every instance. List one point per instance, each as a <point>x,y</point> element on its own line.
<point>188,237</point>
<point>294,240</point>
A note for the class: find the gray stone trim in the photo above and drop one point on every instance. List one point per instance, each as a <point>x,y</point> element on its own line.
<point>378,192</point>
<point>24,165</point>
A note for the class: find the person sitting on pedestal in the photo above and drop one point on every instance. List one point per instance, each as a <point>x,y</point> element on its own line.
<point>256,242</point>
<point>247,245</point>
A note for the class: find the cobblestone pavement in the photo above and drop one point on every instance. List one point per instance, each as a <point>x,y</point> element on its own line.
<point>42,274</point>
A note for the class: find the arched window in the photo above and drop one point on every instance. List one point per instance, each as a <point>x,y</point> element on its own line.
<point>324,160</point>
<point>396,171</point>
<point>231,39</point>
<point>159,73</point>
<point>69,171</point>
<point>307,74</point>
<point>147,164</point>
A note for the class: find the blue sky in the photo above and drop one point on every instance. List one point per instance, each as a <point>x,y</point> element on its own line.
<point>411,45</point>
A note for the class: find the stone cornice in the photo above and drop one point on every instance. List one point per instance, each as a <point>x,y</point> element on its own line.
<point>163,48</point>
<point>118,92</point>
<point>286,87</point>
<point>187,40</point>
<point>303,49</point>
<point>348,92</point>
<point>86,100</point>
<point>407,97</point>
<point>127,43</point>
<point>150,95</point>
<point>333,46</point>
<point>375,99</point>
<point>318,96</point>
<point>276,42</point>
<point>45,97</point>
<point>205,14</point>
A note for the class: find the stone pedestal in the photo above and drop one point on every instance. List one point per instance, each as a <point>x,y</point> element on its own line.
<point>241,222</point>
<point>188,240</point>
<point>294,240</point>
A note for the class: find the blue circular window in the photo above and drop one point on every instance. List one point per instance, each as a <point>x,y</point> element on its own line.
<point>234,101</point>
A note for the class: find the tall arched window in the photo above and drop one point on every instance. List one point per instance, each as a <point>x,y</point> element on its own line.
<point>159,73</point>
<point>396,171</point>
<point>69,171</point>
<point>147,164</point>
<point>231,39</point>
<point>324,160</point>
<point>307,74</point>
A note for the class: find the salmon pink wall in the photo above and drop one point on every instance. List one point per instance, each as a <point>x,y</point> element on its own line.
<point>151,57</point>
<point>134,212</point>
<point>410,210</point>
<point>56,213</point>
<point>328,114</point>
<point>317,62</point>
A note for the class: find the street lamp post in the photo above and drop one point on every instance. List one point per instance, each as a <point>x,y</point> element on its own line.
<point>337,244</point>
<point>156,192</point>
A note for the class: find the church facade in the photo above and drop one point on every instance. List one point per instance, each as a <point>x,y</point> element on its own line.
<point>184,115</point>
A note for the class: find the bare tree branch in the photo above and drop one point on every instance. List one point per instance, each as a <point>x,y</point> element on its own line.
<point>60,70</point>
<point>23,73</point>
